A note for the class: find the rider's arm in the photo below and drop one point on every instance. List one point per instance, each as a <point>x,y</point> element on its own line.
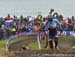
<point>59,24</point>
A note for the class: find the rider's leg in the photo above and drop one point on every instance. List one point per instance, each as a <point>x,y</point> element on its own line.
<point>56,41</point>
<point>50,42</point>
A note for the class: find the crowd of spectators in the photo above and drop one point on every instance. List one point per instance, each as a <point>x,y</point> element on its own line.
<point>28,24</point>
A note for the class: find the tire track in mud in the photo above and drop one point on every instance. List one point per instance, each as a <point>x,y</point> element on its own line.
<point>66,43</point>
<point>65,46</point>
<point>16,46</point>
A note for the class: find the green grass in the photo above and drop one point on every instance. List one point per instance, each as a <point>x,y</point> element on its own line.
<point>19,39</point>
<point>3,42</point>
<point>33,45</point>
<point>67,37</point>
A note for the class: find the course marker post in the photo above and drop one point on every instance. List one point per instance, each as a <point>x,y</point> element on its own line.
<point>38,39</point>
<point>6,48</point>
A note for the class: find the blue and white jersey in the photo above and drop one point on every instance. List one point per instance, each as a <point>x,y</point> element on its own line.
<point>54,24</point>
<point>51,24</point>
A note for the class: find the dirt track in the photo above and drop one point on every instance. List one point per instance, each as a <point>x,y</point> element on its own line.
<point>65,47</point>
<point>19,44</point>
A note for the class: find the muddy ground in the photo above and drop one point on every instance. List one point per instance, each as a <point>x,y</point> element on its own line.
<point>65,49</point>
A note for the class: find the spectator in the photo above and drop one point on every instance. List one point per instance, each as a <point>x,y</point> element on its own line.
<point>13,30</point>
<point>1,34</point>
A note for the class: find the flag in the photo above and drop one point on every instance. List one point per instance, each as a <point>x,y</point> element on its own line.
<point>8,22</point>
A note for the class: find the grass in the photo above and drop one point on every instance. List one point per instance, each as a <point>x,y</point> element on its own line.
<point>3,42</point>
<point>19,39</point>
<point>33,45</point>
<point>66,37</point>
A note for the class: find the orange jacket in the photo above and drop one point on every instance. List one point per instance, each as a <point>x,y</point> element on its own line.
<point>36,28</point>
